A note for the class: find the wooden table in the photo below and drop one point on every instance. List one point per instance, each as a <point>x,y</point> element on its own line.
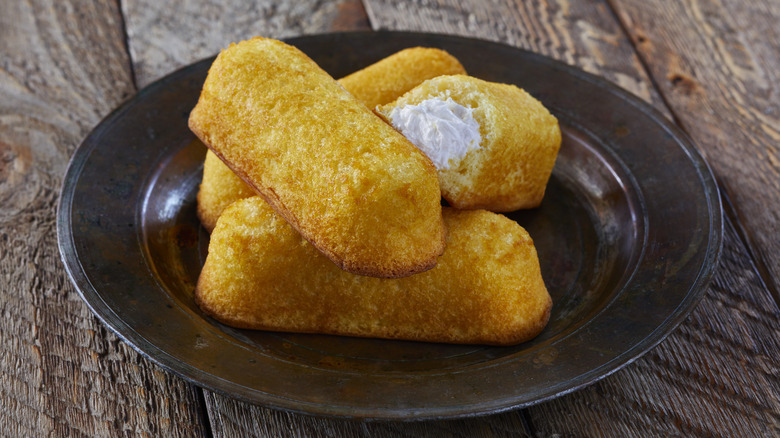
<point>710,66</point>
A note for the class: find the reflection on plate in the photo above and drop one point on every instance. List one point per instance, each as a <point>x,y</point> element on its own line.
<point>628,236</point>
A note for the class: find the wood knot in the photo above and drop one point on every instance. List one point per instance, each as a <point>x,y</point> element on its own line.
<point>18,178</point>
<point>7,157</point>
<point>14,163</point>
<point>684,83</point>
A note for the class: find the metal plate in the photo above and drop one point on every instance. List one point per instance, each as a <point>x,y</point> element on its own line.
<point>628,235</point>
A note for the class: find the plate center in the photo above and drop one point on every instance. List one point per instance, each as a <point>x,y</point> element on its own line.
<point>585,233</point>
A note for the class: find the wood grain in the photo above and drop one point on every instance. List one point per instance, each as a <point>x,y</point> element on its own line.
<point>65,64</point>
<point>688,399</point>
<point>239,419</point>
<point>587,35</point>
<point>717,63</point>
<point>716,375</point>
<point>164,36</point>
<point>593,41</point>
<point>580,33</point>
<point>61,373</point>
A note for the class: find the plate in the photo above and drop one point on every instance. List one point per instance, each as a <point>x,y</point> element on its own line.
<point>628,235</point>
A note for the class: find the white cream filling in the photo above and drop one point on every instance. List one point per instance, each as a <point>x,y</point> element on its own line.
<point>443,129</point>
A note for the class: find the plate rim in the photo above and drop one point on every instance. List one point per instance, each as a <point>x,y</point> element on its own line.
<point>77,274</point>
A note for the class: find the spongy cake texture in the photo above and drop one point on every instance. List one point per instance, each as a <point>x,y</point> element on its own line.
<point>377,84</point>
<point>486,289</point>
<point>219,188</point>
<point>349,183</point>
<point>520,142</point>
<point>389,78</point>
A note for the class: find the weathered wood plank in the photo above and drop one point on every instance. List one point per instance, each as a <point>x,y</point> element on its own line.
<point>581,33</point>
<point>238,419</point>
<point>163,36</point>
<point>596,45</point>
<point>716,375</point>
<point>717,63</point>
<point>63,66</point>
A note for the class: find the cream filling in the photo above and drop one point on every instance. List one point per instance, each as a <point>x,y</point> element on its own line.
<point>443,129</point>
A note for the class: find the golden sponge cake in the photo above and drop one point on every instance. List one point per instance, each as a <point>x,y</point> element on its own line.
<point>377,84</point>
<point>494,144</point>
<point>219,188</point>
<point>349,183</point>
<point>486,289</point>
<point>389,78</point>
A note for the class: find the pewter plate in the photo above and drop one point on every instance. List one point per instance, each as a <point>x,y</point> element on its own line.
<point>628,236</point>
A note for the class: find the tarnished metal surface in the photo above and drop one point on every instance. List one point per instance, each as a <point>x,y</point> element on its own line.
<point>628,236</point>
